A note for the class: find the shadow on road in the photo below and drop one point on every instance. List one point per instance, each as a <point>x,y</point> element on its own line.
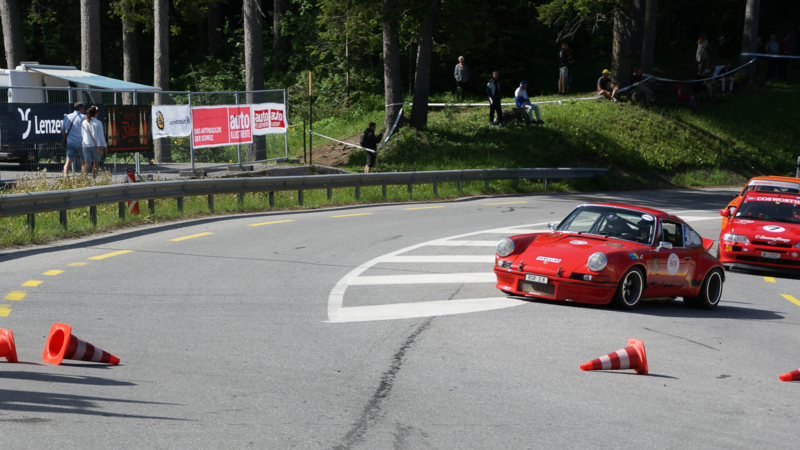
<point>723,311</point>
<point>71,379</point>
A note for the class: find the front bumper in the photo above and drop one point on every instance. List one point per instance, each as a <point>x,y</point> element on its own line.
<point>563,289</point>
<point>749,261</point>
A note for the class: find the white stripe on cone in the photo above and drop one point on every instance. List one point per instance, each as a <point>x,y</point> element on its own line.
<point>80,351</point>
<point>624,361</point>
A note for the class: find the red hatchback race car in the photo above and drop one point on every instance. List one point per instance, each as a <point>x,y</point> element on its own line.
<point>603,253</point>
<point>763,233</point>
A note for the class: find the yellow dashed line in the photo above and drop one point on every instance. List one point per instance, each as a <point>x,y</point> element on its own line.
<point>109,255</point>
<point>269,223</point>
<point>190,237</point>
<point>506,203</point>
<point>769,279</point>
<point>53,273</point>
<point>424,207</point>
<point>76,264</point>
<point>32,283</point>
<point>5,310</point>
<point>15,295</point>
<point>791,299</point>
<point>353,215</point>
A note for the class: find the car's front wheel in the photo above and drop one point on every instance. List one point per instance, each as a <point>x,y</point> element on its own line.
<point>630,289</point>
<point>710,292</point>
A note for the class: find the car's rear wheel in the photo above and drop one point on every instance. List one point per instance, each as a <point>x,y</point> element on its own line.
<point>710,292</point>
<point>630,289</point>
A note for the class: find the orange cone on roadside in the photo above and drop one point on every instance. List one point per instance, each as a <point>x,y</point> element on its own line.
<point>630,357</point>
<point>791,376</point>
<point>61,344</point>
<point>7,348</point>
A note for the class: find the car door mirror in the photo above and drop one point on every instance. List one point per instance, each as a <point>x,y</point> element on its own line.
<point>665,245</point>
<point>552,226</point>
<point>725,212</point>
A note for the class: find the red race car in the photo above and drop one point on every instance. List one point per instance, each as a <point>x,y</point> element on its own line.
<point>603,253</point>
<point>762,233</point>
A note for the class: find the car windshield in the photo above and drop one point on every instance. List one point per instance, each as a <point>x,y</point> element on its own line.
<point>770,209</point>
<point>611,222</point>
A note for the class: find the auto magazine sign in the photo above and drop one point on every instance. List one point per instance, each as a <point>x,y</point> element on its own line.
<point>269,118</point>
<point>34,122</point>
<point>175,121</point>
<point>128,128</point>
<point>216,126</point>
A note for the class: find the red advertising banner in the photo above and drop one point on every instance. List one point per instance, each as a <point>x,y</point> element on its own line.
<point>216,126</point>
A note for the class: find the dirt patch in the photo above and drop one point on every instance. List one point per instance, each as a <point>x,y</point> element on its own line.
<point>332,153</point>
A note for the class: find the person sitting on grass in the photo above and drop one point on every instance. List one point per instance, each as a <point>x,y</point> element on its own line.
<point>606,87</point>
<point>640,89</point>
<point>521,98</point>
<point>370,141</point>
<point>727,79</point>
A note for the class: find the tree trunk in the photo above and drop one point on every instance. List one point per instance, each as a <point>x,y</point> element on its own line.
<point>12,33</point>
<point>130,58</point>
<point>254,68</point>
<point>422,79</point>
<point>90,36</point>
<point>750,35</point>
<point>621,58</point>
<point>280,43</point>
<point>161,66</point>
<point>214,38</point>
<point>391,64</point>
<point>649,39</point>
<point>638,24</point>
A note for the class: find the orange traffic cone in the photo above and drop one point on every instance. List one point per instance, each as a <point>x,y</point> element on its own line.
<point>630,357</point>
<point>7,348</point>
<point>791,376</point>
<point>61,344</point>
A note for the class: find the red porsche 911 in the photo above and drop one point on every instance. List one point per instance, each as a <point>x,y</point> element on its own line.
<point>607,253</point>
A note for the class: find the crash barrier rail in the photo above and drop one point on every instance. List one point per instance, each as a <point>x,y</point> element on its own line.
<point>33,203</point>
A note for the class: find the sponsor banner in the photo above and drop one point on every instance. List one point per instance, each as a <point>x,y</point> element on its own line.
<point>128,128</point>
<point>215,126</point>
<point>269,118</point>
<point>175,121</point>
<point>792,201</point>
<point>33,122</point>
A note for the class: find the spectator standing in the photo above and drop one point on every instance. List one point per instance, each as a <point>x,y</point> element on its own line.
<point>495,97</point>
<point>640,89</point>
<point>522,101</point>
<point>783,63</point>
<point>563,68</point>
<point>462,76</point>
<point>606,87</point>
<point>370,140</point>
<point>72,133</point>
<point>772,48</point>
<point>702,53</point>
<point>93,141</point>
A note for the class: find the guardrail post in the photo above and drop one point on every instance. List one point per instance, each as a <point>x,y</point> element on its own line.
<point>151,206</point>
<point>383,188</point>
<point>410,190</point>
<point>32,222</point>
<point>180,204</point>
<point>211,202</point>
<point>122,209</point>
<point>300,197</point>
<point>545,183</point>
<point>271,199</point>
<point>93,215</point>
<point>435,189</point>
<point>460,188</point>
<point>330,194</point>
<point>358,192</point>
<point>62,218</point>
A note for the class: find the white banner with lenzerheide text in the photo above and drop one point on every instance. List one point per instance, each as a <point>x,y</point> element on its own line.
<point>268,118</point>
<point>173,121</point>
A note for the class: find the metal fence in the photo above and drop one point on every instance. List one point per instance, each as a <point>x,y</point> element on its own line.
<point>173,153</point>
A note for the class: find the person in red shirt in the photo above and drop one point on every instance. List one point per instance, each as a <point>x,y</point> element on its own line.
<point>783,63</point>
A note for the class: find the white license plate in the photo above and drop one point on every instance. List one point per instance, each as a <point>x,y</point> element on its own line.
<point>536,278</point>
<point>770,255</point>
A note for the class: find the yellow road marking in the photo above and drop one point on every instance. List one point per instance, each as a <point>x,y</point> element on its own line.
<point>424,207</point>
<point>269,223</point>
<point>76,264</point>
<point>506,203</point>
<point>353,215</point>
<point>53,273</point>
<point>769,279</point>
<point>791,299</point>
<point>109,255</point>
<point>32,283</point>
<point>15,295</point>
<point>190,237</point>
<point>5,310</point>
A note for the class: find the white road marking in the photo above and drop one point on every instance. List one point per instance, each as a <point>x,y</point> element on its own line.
<point>425,309</point>
<point>445,243</point>
<point>425,278</point>
<point>514,231</point>
<point>441,259</point>
<point>697,218</point>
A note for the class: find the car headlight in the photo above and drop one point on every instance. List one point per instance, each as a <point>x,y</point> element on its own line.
<point>597,262</point>
<point>505,247</point>
<point>735,238</point>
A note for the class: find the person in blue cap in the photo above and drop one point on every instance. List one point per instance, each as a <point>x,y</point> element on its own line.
<point>521,98</point>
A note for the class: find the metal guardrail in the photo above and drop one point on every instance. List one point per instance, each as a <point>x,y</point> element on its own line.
<point>49,201</point>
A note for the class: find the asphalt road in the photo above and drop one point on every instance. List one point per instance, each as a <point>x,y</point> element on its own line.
<point>377,327</point>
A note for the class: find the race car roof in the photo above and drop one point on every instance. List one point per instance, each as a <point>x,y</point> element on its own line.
<point>71,73</point>
<point>655,212</point>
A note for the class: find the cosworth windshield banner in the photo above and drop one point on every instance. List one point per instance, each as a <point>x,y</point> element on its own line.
<point>171,121</point>
<point>33,122</point>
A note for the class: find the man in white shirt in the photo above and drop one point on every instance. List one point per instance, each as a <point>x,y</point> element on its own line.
<point>71,129</point>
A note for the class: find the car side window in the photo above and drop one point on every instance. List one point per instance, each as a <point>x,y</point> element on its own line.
<point>672,232</point>
<point>691,237</point>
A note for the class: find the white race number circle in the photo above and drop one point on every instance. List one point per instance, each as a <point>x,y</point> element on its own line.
<point>774,228</point>
<point>673,263</point>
